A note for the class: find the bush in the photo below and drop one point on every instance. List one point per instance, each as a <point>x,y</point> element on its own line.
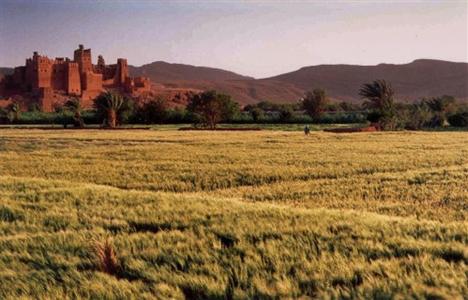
<point>285,113</point>
<point>177,116</point>
<point>417,116</point>
<point>257,113</point>
<point>459,119</point>
<point>3,116</point>
<point>153,111</point>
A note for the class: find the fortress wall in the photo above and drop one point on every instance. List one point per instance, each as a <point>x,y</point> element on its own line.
<point>30,75</point>
<point>109,72</point>
<point>44,72</point>
<point>122,72</point>
<point>46,96</point>
<point>19,76</point>
<point>59,76</point>
<point>92,81</point>
<point>54,80</point>
<point>83,58</point>
<point>73,79</point>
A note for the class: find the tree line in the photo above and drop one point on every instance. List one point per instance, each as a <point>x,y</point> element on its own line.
<point>209,108</point>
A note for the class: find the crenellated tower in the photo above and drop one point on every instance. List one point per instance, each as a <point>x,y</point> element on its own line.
<point>83,57</point>
<point>52,81</point>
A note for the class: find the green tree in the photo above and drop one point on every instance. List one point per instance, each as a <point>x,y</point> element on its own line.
<point>286,112</point>
<point>314,103</point>
<point>108,106</point>
<point>74,106</point>
<point>379,99</point>
<point>418,115</point>
<point>459,119</point>
<point>440,106</point>
<point>210,108</point>
<point>257,113</point>
<point>154,110</point>
<point>348,106</point>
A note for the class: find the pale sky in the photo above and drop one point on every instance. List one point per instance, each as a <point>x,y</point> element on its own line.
<point>255,38</point>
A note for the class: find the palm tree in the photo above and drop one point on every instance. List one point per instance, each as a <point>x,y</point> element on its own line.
<point>14,110</point>
<point>440,106</point>
<point>379,95</point>
<point>74,106</point>
<point>109,104</point>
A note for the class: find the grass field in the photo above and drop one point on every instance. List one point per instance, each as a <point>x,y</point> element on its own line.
<point>233,215</point>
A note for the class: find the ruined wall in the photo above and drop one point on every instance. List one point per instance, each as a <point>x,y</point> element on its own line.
<point>142,82</point>
<point>137,85</point>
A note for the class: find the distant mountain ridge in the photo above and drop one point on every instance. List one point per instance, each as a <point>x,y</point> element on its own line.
<point>411,81</point>
<point>420,78</point>
<point>164,71</point>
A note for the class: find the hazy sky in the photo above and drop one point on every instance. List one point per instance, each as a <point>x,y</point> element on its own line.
<point>256,38</point>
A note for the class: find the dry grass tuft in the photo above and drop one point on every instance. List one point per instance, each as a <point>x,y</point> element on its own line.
<point>106,256</point>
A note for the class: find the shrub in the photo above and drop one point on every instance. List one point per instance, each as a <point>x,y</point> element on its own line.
<point>459,119</point>
<point>285,113</point>
<point>178,115</point>
<point>153,111</point>
<point>440,106</point>
<point>257,113</point>
<point>417,116</point>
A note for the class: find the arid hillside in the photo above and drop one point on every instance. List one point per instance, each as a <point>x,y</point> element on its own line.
<point>420,78</point>
<point>244,89</point>
<point>412,81</point>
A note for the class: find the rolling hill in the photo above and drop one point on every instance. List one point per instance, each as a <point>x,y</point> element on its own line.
<point>244,89</point>
<point>412,81</point>
<point>420,78</point>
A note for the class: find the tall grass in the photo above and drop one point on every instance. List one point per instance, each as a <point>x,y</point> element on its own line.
<point>212,215</point>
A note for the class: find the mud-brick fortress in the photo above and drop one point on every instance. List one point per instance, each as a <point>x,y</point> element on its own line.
<point>49,82</point>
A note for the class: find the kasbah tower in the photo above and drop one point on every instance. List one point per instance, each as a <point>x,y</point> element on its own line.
<point>49,82</point>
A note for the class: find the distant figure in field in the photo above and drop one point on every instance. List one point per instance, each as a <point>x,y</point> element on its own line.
<point>306,130</point>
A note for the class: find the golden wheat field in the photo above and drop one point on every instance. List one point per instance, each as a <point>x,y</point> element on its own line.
<point>145,214</point>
